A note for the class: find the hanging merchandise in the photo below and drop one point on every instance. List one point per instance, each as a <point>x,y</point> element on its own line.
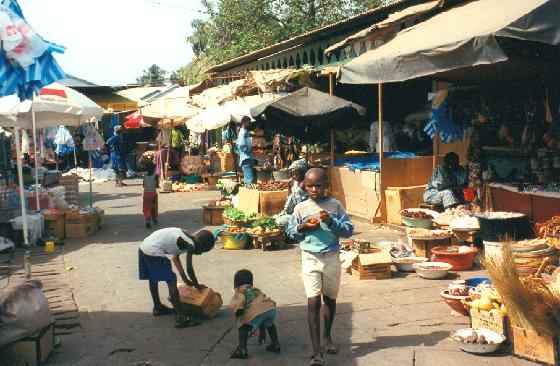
<point>92,139</point>
<point>441,119</point>
<point>25,142</point>
<point>64,142</point>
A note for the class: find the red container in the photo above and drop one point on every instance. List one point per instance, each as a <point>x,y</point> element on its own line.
<point>460,261</point>
<point>468,194</point>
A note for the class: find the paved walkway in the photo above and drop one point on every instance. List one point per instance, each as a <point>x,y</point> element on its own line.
<point>378,322</point>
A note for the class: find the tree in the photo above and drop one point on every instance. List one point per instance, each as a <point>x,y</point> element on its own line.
<point>236,27</point>
<point>154,76</point>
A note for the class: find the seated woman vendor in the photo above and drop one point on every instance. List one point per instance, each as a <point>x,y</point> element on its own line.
<point>446,185</point>
<point>297,195</point>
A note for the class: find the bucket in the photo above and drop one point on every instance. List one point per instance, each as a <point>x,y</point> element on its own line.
<point>231,243</point>
<point>468,194</point>
<point>280,175</point>
<point>504,226</point>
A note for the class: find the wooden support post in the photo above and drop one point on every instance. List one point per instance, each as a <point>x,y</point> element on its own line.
<point>380,148</point>
<point>331,92</point>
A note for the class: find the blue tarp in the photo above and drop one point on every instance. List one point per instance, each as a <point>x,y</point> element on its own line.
<point>370,162</point>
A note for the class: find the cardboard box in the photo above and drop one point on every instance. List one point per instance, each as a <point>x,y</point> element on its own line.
<point>261,202</point>
<point>400,198</point>
<point>534,346</point>
<point>374,266</point>
<point>492,320</point>
<point>82,230</point>
<point>227,163</point>
<point>54,225</point>
<point>30,351</point>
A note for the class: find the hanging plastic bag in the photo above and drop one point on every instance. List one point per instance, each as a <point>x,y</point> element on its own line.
<point>63,141</point>
<point>92,139</point>
<point>24,142</point>
<point>24,310</point>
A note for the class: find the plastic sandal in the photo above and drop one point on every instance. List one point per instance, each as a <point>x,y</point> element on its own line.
<point>240,353</point>
<point>317,360</point>
<point>274,348</point>
<point>163,310</point>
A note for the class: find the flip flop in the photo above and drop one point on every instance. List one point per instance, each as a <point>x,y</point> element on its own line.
<point>239,353</point>
<point>274,348</point>
<point>332,350</point>
<point>317,360</point>
<point>163,310</point>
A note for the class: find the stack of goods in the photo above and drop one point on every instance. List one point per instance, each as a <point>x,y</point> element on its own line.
<point>70,183</point>
<point>528,255</point>
<point>270,186</point>
<point>79,224</point>
<point>475,176</point>
<point>551,230</point>
<point>418,233</point>
<point>226,186</point>
<point>464,223</point>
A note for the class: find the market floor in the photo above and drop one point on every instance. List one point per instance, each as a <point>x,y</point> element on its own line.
<point>378,322</point>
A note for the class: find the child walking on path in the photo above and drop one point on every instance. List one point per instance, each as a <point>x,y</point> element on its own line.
<point>150,197</point>
<point>154,266</point>
<point>317,224</point>
<point>253,310</point>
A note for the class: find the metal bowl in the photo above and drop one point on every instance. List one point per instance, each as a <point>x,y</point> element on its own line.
<point>402,265</point>
<point>432,274</point>
<point>476,348</point>
<point>418,223</point>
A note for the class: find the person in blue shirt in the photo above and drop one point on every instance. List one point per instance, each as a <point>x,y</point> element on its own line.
<point>246,157</point>
<point>317,224</point>
<point>118,161</point>
<point>445,188</point>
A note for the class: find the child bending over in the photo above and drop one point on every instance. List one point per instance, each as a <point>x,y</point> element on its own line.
<point>253,310</point>
<point>154,266</point>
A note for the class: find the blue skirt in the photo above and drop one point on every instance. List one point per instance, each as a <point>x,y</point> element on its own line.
<point>155,269</point>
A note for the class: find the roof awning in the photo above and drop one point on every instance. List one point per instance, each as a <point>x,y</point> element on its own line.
<point>463,36</point>
<point>386,28</point>
<point>114,102</point>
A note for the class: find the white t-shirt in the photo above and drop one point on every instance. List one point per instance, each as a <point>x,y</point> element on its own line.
<point>163,242</point>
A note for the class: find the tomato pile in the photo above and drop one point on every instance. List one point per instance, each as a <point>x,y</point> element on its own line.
<point>416,215</point>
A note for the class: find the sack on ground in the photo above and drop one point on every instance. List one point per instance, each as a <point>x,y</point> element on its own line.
<point>206,301</point>
<point>24,310</point>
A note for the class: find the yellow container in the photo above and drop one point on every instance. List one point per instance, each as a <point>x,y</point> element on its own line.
<point>49,246</point>
<point>230,243</point>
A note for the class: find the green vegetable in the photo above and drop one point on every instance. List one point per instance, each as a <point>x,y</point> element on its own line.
<point>235,214</point>
<point>266,222</point>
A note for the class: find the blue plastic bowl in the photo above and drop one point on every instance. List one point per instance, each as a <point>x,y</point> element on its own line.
<point>473,282</point>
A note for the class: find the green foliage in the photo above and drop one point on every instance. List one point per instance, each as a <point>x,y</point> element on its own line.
<point>266,222</point>
<point>236,27</point>
<point>154,75</point>
<point>235,214</point>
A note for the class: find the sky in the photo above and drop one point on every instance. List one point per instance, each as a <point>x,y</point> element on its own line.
<point>110,42</point>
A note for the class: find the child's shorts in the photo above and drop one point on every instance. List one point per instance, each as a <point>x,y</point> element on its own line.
<point>155,268</point>
<point>266,319</point>
<point>320,273</point>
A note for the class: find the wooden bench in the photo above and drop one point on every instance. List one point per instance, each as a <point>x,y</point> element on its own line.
<point>429,206</point>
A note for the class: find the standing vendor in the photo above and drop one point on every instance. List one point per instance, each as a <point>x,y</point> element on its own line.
<point>388,137</point>
<point>246,157</point>
<point>446,185</point>
<point>177,140</point>
<point>118,162</point>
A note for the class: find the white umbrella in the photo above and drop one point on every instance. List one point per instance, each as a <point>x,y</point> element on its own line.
<point>209,119</point>
<point>175,105</point>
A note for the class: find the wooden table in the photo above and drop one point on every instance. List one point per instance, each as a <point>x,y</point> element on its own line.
<point>262,241</point>
<point>423,246</point>
<point>213,215</point>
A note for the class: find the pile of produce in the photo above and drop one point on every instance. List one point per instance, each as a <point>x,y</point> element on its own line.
<point>474,337</point>
<point>427,234</point>
<point>235,229</point>
<point>485,297</point>
<point>416,215</point>
<point>465,222</point>
<point>549,228</point>
<point>236,215</point>
<point>184,187</point>
<point>533,302</point>
<point>264,226</point>
<point>220,203</point>
<point>270,186</point>
<point>445,218</point>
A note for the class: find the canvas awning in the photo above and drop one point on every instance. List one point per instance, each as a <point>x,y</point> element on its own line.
<point>463,36</point>
<point>383,29</point>
<point>174,105</point>
<point>213,97</point>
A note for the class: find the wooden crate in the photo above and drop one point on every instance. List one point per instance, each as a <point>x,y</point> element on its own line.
<point>374,266</point>
<point>420,246</point>
<point>533,346</point>
<point>213,215</point>
<point>30,351</point>
<point>491,320</point>
<point>400,198</point>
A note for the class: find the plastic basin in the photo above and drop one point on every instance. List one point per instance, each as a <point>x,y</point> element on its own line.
<point>460,261</point>
<point>231,243</point>
<point>454,302</point>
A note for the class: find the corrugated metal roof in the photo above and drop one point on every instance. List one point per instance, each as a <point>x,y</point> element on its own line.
<point>73,81</point>
<point>341,27</point>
